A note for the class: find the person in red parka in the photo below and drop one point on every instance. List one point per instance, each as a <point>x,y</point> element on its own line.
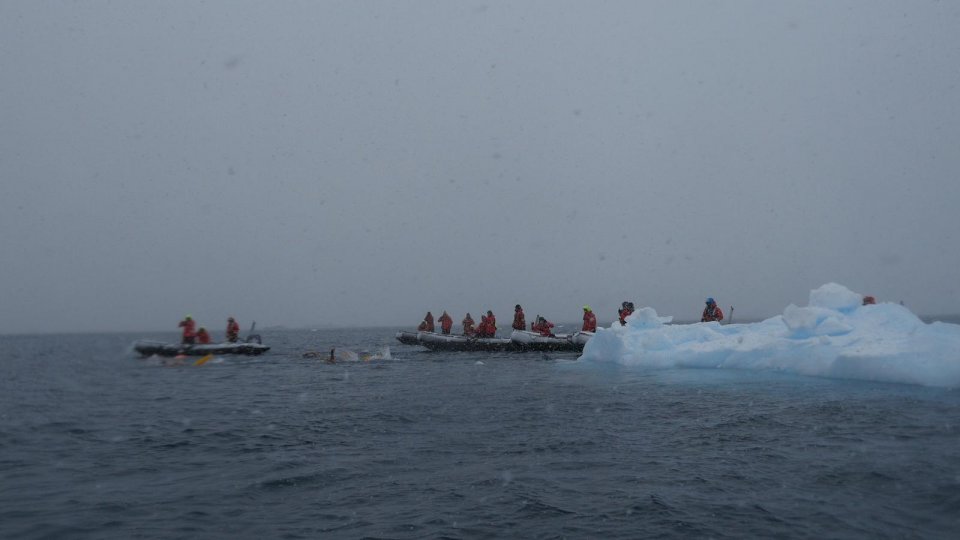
<point>589,320</point>
<point>446,322</point>
<point>189,334</point>
<point>468,329</point>
<point>203,337</point>
<point>625,311</point>
<point>711,312</point>
<point>482,327</point>
<point>233,330</point>
<point>519,322</point>
<point>488,325</point>
<point>427,324</point>
<point>543,326</point>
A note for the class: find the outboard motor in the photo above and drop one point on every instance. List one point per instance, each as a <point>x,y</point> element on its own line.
<point>251,337</point>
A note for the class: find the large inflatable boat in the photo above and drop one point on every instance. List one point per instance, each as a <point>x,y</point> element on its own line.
<point>455,342</point>
<point>149,348</point>
<point>525,340</point>
<point>407,338</point>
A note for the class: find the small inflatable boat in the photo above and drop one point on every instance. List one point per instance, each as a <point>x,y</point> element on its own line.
<point>149,348</point>
<point>525,340</point>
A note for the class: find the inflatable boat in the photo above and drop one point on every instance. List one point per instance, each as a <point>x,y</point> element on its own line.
<point>454,342</point>
<point>407,338</point>
<point>525,340</point>
<point>581,338</point>
<point>149,348</point>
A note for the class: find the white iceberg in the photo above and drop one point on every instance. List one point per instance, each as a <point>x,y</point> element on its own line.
<point>834,336</point>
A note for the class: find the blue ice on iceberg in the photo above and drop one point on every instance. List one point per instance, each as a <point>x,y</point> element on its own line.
<point>833,336</point>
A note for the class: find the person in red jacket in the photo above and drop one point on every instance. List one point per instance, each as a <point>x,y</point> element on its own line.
<point>203,337</point>
<point>625,311</point>
<point>468,329</point>
<point>482,327</point>
<point>589,320</point>
<point>446,323</point>
<point>189,335</point>
<point>519,322</point>
<point>488,325</point>
<point>543,326</point>
<point>233,330</point>
<point>427,324</point>
<point>711,312</point>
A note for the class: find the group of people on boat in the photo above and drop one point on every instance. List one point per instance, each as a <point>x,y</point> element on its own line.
<point>488,323</point>
<point>192,335</point>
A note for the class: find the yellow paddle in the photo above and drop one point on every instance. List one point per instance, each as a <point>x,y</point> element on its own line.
<point>203,360</point>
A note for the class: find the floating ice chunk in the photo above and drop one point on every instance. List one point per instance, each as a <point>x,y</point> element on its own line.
<point>835,297</point>
<point>835,336</point>
<point>647,317</point>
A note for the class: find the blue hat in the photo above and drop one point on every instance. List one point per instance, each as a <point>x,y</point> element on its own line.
<point>710,301</point>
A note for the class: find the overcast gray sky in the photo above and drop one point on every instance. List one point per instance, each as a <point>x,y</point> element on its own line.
<point>358,163</point>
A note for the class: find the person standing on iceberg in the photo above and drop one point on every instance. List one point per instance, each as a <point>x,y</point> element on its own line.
<point>626,309</point>
<point>711,312</point>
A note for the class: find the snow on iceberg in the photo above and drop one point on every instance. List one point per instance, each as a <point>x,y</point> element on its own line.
<point>834,336</point>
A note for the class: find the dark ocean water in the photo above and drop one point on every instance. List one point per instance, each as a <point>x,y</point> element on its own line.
<point>95,443</point>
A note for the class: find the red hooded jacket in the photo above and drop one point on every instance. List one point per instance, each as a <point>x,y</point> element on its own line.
<point>589,322</point>
<point>468,329</point>
<point>519,322</point>
<point>446,323</point>
<point>189,326</point>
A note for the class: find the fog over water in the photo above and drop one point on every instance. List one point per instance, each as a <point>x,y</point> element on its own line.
<point>358,163</point>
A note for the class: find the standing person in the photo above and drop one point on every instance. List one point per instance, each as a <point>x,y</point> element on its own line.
<point>189,334</point>
<point>712,312</point>
<point>519,322</point>
<point>233,330</point>
<point>589,320</point>
<point>446,323</point>
<point>427,324</point>
<point>468,329</point>
<point>626,309</point>
<point>203,338</point>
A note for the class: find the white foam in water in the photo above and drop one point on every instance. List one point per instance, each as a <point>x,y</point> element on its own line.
<point>834,336</point>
